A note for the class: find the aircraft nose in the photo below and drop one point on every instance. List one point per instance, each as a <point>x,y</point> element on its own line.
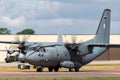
<point>21,57</point>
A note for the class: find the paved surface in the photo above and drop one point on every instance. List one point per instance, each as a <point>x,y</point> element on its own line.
<point>93,62</point>
<point>83,73</point>
<point>89,71</point>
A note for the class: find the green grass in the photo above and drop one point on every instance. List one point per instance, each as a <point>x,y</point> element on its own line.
<point>85,78</point>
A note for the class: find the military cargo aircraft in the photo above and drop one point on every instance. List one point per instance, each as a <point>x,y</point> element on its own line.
<point>59,54</point>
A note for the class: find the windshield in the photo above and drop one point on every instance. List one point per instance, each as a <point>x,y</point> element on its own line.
<point>42,49</point>
<point>37,49</point>
<point>32,48</point>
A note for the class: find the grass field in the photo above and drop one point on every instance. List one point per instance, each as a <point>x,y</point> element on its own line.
<point>88,78</point>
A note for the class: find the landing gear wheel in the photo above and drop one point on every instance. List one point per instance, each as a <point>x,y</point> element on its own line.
<point>50,69</point>
<point>76,69</point>
<point>39,69</point>
<point>70,70</point>
<point>56,69</point>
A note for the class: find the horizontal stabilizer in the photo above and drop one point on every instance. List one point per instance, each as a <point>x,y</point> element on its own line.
<point>104,45</point>
<point>91,46</point>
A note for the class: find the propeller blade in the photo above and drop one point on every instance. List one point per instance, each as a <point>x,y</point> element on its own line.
<point>17,38</point>
<point>73,38</point>
<point>25,38</point>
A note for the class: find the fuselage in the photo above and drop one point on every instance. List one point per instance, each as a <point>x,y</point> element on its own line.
<point>54,56</point>
<point>49,56</point>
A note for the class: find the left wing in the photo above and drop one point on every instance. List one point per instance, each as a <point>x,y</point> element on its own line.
<point>9,42</point>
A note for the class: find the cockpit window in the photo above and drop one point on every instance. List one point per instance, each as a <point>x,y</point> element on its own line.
<point>37,49</point>
<point>32,48</point>
<point>42,50</point>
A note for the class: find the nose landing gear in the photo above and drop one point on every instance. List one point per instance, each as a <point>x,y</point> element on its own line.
<point>39,69</point>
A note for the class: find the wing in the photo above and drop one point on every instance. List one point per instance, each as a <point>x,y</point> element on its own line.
<point>9,42</point>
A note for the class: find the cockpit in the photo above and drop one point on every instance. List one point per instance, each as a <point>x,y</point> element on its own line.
<point>32,48</point>
<point>37,49</point>
<point>42,50</point>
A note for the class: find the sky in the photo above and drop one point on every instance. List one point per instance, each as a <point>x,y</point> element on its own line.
<point>48,16</point>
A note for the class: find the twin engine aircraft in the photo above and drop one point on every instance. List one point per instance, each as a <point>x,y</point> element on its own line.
<point>73,56</point>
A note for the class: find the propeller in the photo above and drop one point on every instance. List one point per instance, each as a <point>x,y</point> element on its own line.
<point>22,41</point>
<point>73,38</point>
<point>9,50</point>
<point>73,47</point>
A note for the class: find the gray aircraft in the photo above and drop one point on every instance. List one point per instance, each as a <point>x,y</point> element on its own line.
<point>68,55</point>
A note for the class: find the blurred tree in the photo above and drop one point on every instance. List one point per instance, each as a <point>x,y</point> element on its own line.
<point>5,31</point>
<point>26,31</point>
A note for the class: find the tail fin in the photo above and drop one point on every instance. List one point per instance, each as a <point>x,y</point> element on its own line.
<point>103,32</point>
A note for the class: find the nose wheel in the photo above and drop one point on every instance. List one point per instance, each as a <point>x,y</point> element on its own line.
<point>39,69</point>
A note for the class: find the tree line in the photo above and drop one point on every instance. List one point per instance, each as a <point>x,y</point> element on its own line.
<point>4,31</point>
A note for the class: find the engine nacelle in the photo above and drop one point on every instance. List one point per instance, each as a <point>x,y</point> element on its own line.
<point>70,64</point>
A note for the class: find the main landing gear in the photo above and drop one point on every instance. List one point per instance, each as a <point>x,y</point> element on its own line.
<point>56,69</point>
<point>50,69</point>
<point>75,69</point>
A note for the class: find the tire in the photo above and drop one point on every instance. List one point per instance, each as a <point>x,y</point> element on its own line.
<point>39,70</point>
<point>70,70</point>
<point>56,69</point>
<point>76,69</point>
<point>50,69</point>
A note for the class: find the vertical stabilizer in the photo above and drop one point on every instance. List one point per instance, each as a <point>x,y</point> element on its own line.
<point>103,32</point>
<point>102,36</point>
<point>60,37</point>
